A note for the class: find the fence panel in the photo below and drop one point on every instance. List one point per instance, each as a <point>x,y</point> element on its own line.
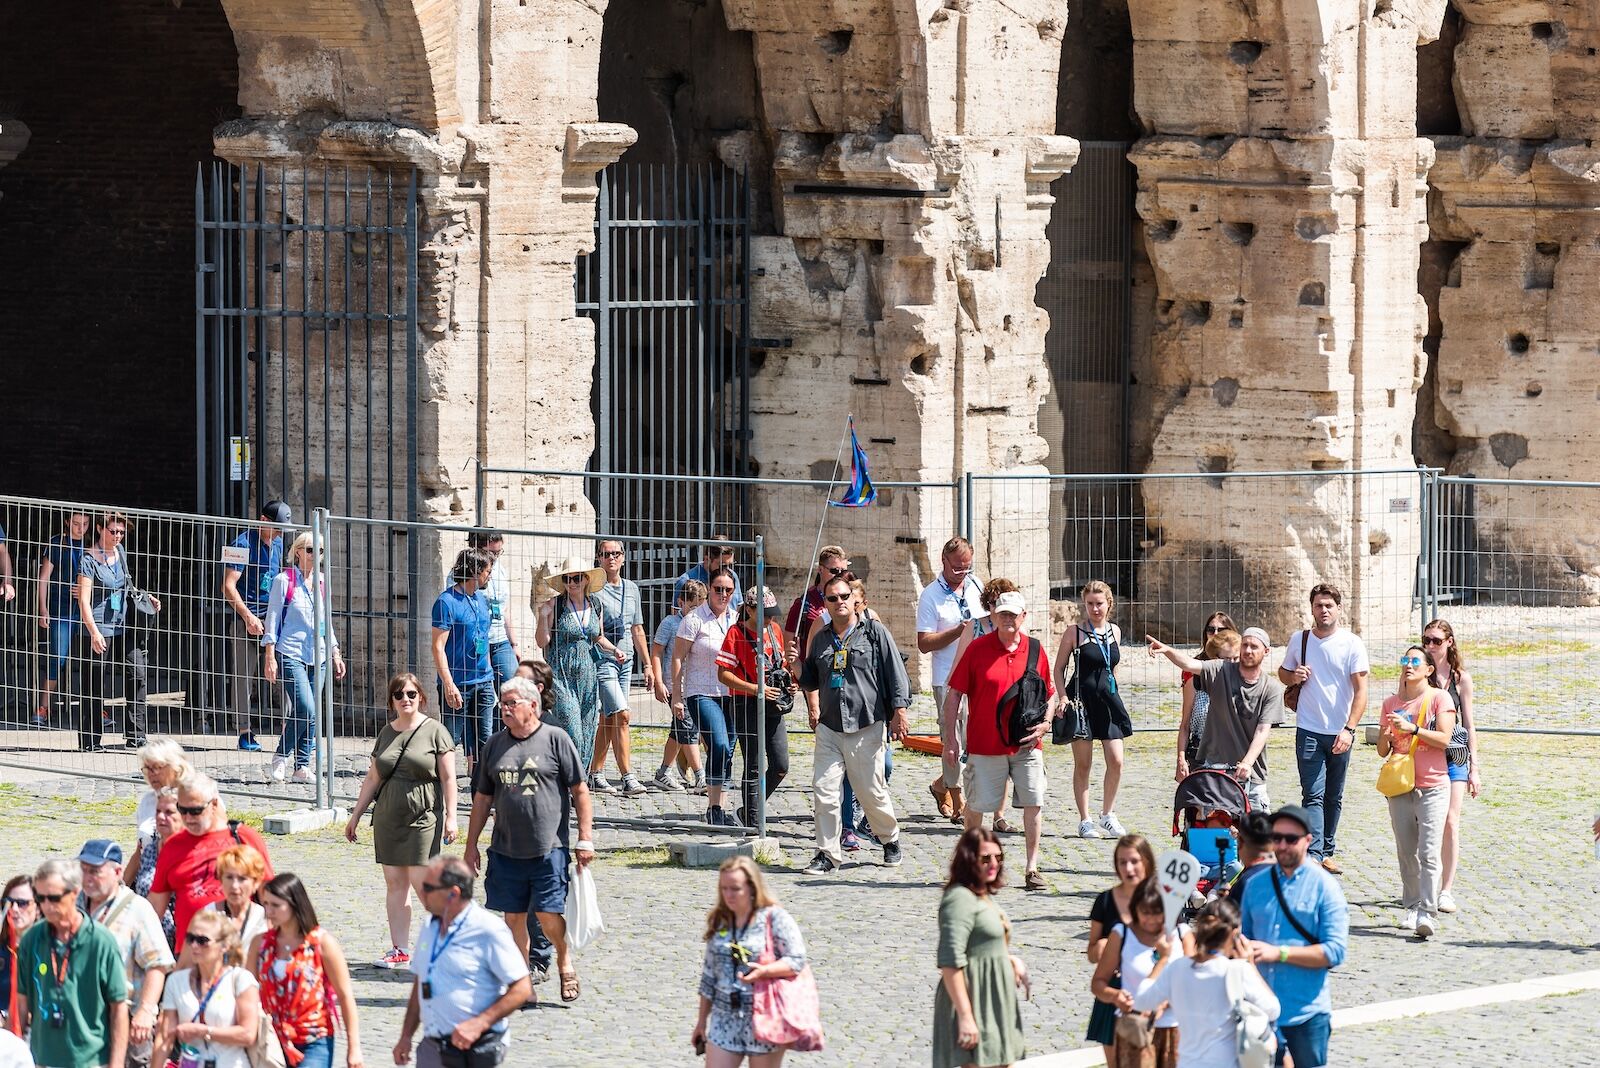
<point>1174,548</point>
<point>527,563</point>
<point>170,673</point>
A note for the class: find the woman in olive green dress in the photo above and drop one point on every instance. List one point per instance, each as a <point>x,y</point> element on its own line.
<point>411,784</point>
<point>976,1018</point>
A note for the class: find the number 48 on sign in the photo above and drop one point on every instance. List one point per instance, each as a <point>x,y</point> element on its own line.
<point>1177,874</point>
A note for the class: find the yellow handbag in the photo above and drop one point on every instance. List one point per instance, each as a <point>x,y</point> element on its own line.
<point>1398,773</point>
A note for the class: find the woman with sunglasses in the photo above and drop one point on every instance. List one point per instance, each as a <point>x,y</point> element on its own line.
<point>21,913</point>
<point>411,789</point>
<point>1419,718</point>
<point>1192,719</point>
<point>977,1019</point>
<point>106,644</point>
<point>1448,673</point>
<point>293,648</point>
<point>305,982</point>
<point>572,633</point>
<point>210,1010</point>
<point>141,870</point>
<point>698,693</point>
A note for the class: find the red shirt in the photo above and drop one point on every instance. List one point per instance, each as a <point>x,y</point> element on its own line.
<point>803,613</point>
<point>739,652</point>
<point>984,673</point>
<point>186,868</point>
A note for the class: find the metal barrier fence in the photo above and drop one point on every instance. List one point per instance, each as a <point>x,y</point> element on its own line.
<point>184,669</point>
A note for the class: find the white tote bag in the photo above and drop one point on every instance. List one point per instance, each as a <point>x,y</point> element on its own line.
<point>584,925</point>
<point>1255,1040</point>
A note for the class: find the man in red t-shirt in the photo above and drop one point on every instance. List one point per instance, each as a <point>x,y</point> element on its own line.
<point>991,665</point>
<point>186,865</point>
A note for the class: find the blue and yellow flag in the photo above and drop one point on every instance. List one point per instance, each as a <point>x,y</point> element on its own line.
<point>861,492</point>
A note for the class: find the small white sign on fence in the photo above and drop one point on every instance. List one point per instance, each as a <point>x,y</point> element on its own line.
<point>1400,505</point>
<point>237,555</point>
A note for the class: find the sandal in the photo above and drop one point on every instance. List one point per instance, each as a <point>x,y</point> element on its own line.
<point>941,797</point>
<point>569,986</point>
<point>1001,826</point>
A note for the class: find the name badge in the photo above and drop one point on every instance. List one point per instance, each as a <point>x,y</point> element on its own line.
<point>116,601</point>
<point>480,647</point>
<point>841,657</point>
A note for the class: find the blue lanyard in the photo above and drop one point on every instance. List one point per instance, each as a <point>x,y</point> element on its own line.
<point>441,944</point>
<point>838,642</point>
<point>957,596</point>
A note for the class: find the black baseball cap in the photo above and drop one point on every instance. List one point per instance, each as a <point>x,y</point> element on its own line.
<point>1296,813</point>
<point>277,512</point>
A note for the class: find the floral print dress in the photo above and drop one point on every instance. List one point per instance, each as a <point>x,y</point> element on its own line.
<point>729,1027</point>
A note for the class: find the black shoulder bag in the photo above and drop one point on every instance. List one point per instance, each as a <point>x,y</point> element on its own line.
<point>1288,914</point>
<point>1072,725</point>
<point>1025,703</point>
<point>373,810</point>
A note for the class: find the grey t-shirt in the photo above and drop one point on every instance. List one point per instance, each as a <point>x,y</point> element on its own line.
<point>1236,710</point>
<point>531,781</point>
<point>622,613</point>
<point>108,590</point>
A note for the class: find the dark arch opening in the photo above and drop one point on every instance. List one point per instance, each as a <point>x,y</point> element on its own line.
<point>97,242</point>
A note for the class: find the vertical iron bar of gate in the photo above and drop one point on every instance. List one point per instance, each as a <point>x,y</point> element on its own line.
<point>201,468</point>
<point>966,505</point>
<point>742,351</point>
<point>258,452</point>
<point>1424,558</point>
<point>412,511</point>
<point>602,326</point>
<point>760,725</point>
<point>322,652</point>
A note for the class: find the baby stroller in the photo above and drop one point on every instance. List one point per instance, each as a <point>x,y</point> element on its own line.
<point>1206,809</point>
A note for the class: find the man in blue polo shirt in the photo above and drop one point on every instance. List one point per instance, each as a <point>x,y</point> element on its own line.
<point>713,555</point>
<point>1298,923</point>
<point>469,974</point>
<point>462,619</point>
<point>250,563</point>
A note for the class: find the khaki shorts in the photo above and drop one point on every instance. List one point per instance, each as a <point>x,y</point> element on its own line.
<point>983,780</point>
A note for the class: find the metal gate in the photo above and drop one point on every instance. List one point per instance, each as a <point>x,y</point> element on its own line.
<point>668,288</point>
<point>1088,292</point>
<point>306,373</point>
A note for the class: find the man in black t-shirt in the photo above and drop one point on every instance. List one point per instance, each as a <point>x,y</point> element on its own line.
<point>529,775</point>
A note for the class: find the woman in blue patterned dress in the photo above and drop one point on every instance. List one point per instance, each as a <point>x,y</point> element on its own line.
<point>570,635</point>
<point>736,938</point>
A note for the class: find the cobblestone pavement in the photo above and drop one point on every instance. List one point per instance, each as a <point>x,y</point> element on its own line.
<point>1556,1031</point>
<point>1527,892</point>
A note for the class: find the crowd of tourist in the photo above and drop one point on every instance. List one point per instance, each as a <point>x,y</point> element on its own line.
<point>178,949</point>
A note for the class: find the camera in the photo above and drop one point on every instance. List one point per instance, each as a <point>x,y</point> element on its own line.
<point>56,1017</point>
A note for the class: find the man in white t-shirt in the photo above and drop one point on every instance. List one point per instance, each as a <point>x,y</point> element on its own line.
<point>1330,665</point>
<point>949,605</point>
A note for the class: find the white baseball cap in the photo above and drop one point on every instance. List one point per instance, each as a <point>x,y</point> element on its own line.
<point>1011,602</point>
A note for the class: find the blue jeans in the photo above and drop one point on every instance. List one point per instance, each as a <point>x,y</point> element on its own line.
<point>503,660</point>
<point>478,707</point>
<point>300,720</point>
<point>712,719</point>
<point>848,805</point>
<point>319,1053</point>
<point>61,634</point>
<point>1306,1041</point>
<point>1321,786</point>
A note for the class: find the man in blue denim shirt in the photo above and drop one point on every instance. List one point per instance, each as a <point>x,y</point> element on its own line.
<point>461,621</point>
<point>1296,967</point>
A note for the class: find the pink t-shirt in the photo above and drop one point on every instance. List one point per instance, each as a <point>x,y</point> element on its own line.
<point>1430,762</point>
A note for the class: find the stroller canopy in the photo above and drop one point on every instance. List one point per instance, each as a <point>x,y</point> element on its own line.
<point>1206,791</point>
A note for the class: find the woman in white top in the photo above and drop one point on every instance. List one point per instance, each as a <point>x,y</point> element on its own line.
<point>1136,951</point>
<point>209,1012</point>
<point>697,693</point>
<point>240,871</point>
<point>1195,988</point>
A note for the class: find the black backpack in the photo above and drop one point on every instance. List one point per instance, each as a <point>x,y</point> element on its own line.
<point>1025,704</point>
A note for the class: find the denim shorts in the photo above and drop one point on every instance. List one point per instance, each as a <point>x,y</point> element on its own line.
<point>1458,772</point>
<point>684,731</point>
<point>535,884</point>
<point>613,687</point>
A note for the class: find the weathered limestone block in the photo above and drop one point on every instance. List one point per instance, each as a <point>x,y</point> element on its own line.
<point>1282,193</point>
<point>1526,69</point>
<point>1518,381</point>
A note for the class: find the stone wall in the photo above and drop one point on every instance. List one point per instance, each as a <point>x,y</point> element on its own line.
<point>1514,200</point>
<point>1282,192</point>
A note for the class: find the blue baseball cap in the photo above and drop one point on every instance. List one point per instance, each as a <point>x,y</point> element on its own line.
<point>97,851</point>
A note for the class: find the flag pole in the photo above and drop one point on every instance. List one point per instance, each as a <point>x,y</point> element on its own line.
<point>815,549</point>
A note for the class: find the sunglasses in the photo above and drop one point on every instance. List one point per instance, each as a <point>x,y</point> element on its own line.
<point>1289,839</point>
<point>989,858</point>
<point>433,888</point>
<point>117,532</point>
<point>722,589</point>
<point>19,902</point>
<point>1218,629</point>
<point>837,571</point>
<point>835,598</point>
<point>409,695</point>
<point>193,810</point>
<point>1411,661</point>
<point>570,579</point>
<point>54,899</point>
<point>1433,641</point>
<point>197,940</point>
<point>611,554</point>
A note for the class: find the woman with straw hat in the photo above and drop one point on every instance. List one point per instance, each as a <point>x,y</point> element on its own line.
<point>570,633</point>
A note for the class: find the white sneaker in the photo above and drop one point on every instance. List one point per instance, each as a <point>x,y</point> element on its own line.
<point>601,785</point>
<point>280,768</point>
<point>631,786</point>
<point>1446,902</point>
<point>1112,826</point>
<point>697,785</point>
<point>301,774</point>
<point>1408,922</point>
<point>1425,925</point>
<point>1088,829</point>
<point>667,778</point>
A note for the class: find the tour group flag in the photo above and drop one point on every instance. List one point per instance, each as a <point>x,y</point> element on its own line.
<point>861,492</point>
